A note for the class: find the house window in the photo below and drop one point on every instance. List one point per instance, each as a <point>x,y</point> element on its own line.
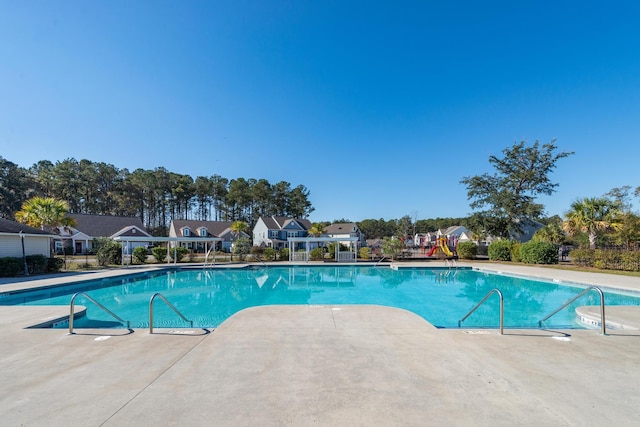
<point>186,232</point>
<point>203,232</point>
<point>292,234</point>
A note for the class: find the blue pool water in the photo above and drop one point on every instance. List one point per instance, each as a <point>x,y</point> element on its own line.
<point>208,297</point>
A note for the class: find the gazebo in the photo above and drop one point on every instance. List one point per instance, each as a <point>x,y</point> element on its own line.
<point>345,256</point>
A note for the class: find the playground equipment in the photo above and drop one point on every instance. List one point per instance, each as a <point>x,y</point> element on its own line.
<point>441,245</point>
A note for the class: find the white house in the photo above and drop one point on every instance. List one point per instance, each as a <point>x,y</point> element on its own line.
<point>344,230</point>
<point>13,234</point>
<point>273,231</point>
<point>89,227</point>
<point>453,231</point>
<point>201,229</point>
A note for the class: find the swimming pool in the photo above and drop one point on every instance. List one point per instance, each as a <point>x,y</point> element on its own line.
<point>208,297</point>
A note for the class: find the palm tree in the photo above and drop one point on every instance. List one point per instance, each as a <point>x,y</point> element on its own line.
<point>45,212</point>
<point>316,230</point>
<point>237,228</point>
<point>550,233</point>
<point>593,216</point>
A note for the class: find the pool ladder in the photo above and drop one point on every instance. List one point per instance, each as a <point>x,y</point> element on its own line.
<point>603,326</point>
<point>491,292</point>
<point>118,318</point>
<point>105,309</point>
<point>171,306</point>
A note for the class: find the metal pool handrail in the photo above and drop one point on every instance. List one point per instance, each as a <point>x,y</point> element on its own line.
<point>496,290</point>
<point>72,305</point>
<point>603,326</point>
<point>171,306</point>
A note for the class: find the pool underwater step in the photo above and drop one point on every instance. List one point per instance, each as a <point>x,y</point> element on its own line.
<point>61,321</point>
<point>618,317</point>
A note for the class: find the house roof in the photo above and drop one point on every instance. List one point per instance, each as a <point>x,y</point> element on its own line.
<point>106,225</point>
<point>280,222</point>
<point>8,226</point>
<point>341,228</point>
<point>214,228</point>
<point>454,230</point>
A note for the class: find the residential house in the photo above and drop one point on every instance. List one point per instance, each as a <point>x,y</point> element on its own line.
<point>348,229</point>
<point>528,227</point>
<point>80,238</point>
<point>454,231</point>
<point>425,240</point>
<point>273,231</point>
<point>13,235</point>
<point>197,229</point>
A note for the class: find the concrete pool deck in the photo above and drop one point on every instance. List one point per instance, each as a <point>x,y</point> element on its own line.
<point>321,365</point>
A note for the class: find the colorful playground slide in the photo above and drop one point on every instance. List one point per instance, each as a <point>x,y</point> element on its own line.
<point>441,245</point>
<point>445,248</point>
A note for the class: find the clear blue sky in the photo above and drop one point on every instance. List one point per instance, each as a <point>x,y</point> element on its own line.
<point>378,108</point>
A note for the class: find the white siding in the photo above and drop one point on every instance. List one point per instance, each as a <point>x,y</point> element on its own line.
<point>10,246</point>
<point>260,232</point>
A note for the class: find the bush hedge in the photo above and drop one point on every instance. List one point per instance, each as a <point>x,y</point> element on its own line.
<point>500,250</point>
<point>317,254</point>
<point>11,266</point>
<point>467,250</point>
<point>54,265</point>
<point>269,254</point>
<point>515,252</point>
<point>159,253</point>
<point>109,252</point>
<point>538,253</point>
<point>180,252</point>
<point>606,259</point>
<point>36,264</point>
<point>140,254</point>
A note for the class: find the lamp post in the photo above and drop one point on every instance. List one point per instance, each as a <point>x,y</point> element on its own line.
<point>24,256</point>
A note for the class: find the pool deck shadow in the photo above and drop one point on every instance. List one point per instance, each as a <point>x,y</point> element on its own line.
<point>328,365</point>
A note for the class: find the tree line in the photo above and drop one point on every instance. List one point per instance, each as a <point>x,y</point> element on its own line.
<point>156,196</point>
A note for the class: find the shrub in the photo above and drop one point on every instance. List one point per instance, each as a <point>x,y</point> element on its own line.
<point>630,261</point>
<point>516,255</point>
<point>467,250</point>
<point>500,250</point>
<point>283,254</point>
<point>180,252</point>
<point>241,247</point>
<point>37,264</point>
<point>257,252</point>
<point>270,254</point>
<point>54,264</point>
<point>11,266</point>
<point>317,254</point>
<point>109,252</point>
<point>140,254</point>
<point>539,253</point>
<point>364,253</point>
<point>159,253</point>
<point>583,257</point>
